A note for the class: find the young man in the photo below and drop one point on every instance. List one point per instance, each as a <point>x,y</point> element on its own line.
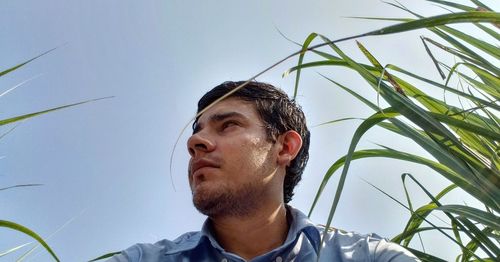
<point>248,153</point>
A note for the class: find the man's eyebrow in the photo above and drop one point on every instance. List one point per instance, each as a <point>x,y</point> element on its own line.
<point>218,118</point>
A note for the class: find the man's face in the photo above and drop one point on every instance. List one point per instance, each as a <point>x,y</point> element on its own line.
<point>233,164</point>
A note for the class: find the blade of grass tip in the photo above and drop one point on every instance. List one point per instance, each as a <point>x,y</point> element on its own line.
<point>23,185</point>
<point>18,85</point>
<point>399,5</point>
<point>385,73</point>
<point>481,5</point>
<point>306,44</point>
<point>452,4</point>
<point>108,255</point>
<point>14,249</point>
<point>26,62</point>
<point>29,232</point>
<point>26,116</point>
<point>381,18</point>
<point>436,64</point>
<point>356,95</point>
<point>286,37</point>
<point>410,206</point>
<point>336,62</point>
<point>10,130</point>
<point>337,120</point>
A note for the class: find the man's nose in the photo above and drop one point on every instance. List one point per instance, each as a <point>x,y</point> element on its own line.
<point>200,143</point>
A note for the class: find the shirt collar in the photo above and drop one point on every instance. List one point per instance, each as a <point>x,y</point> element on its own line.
<point>299,223</point>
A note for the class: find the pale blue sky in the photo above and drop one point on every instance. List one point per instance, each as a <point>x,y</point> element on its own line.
<point>105,165</point>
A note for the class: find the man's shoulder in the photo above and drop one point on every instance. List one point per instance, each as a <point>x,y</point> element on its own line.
<point>351,246</point>
<point>153,252</point>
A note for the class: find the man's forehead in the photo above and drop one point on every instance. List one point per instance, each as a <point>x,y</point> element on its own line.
<point>232,104</point>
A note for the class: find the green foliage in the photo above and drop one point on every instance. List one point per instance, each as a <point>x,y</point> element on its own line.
<point>463,139</point>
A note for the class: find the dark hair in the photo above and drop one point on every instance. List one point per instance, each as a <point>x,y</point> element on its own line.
<point>279,114</point>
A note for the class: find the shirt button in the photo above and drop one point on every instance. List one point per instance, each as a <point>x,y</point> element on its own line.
<point>224,260</point>
<point>279,259</point>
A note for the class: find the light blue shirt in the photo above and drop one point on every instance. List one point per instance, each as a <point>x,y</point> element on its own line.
<point>302,244</point>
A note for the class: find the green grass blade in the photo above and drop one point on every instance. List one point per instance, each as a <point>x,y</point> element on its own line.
<point>398,238</point>
<point>473,244</point>
<point>480,4</point>
<point>434,60</point>
<point>464,224</point>
<point>445,88</point>
<point>338,120</point>
<point>305,46</point>
<point>24,63</point>
<point>429,145</point>
<point>430,223</point>
<point>489,31</point>
<point>474,57</point>
<point>463,17</point>
<point>26,116</point>
<point>452,4</point>
<point>466,126</point>
<point>367,124</point>
<point>478,43</point>
<point>417,217</point>
<point>487,219</point>
<point>386,153</point>
<point>441,135</point>
<point>23,185</point>
<point>29,232</point>
<point>424,257</point>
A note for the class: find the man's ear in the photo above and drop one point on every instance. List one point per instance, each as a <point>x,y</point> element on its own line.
<point>291,142</point>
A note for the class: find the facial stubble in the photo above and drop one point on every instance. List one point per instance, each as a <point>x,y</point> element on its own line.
<point>225,201</point>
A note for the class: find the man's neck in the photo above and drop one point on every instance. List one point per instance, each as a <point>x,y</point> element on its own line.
<point>252,235</point>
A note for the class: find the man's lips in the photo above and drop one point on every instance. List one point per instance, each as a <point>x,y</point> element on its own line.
<point>201,163</point>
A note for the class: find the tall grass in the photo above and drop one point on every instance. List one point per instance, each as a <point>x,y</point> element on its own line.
<point>462,138</point>
<point>11,120</point>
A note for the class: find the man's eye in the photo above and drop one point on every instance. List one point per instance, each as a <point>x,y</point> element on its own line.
<point>228,124</point>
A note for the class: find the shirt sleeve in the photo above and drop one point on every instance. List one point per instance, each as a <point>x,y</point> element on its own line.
<point>388,251</point>
<point>131,254</point>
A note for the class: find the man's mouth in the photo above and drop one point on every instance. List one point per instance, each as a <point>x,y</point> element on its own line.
<point>199,164</point>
